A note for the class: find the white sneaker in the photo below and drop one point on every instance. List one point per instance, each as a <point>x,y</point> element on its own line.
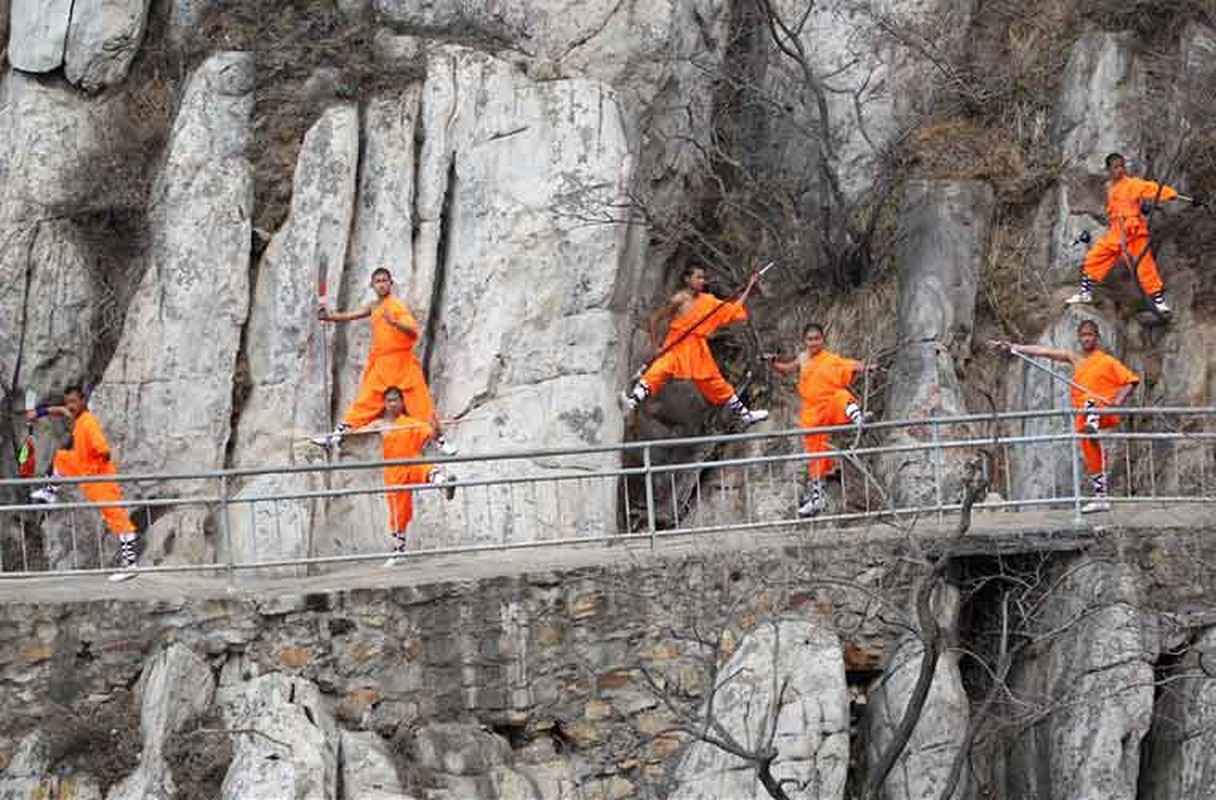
<point>395,561</point>
<point>816,504</point>
<point>750,417</point>
<point>446,448</point>
<point>1096,505</point>
<point>47,494</point>
<point>628,402</point>
<point>1162,307</point>
<point>1081,298</point>
<point>446,480</point>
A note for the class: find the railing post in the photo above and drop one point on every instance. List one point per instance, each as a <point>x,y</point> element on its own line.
<point>1078,519</point>
<point>650,523</point>
<point>937,468</point>
<point>226,528</point>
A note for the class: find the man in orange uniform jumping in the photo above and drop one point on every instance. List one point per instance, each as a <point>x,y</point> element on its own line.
<point>90,455</point>
<point>1100,381</point>
<point>694,314</point>
<point>391,362</point>
<point>823,382</point>
<point>1127,237</point>
<point>404,438</point>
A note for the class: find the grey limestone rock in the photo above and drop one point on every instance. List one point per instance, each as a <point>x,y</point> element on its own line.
<point>802,654</point>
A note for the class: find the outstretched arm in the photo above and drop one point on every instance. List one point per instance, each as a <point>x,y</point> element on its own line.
<point>1066,356</point>
<point>47,411</point>
<point>1151,190</point>
<point>325,315</point>
<point>780,366</point>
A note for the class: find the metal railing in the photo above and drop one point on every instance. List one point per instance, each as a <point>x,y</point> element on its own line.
<point>295,519</point>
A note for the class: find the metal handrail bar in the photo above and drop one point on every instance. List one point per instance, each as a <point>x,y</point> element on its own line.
<point>622,447</point>
<point>674,467</point>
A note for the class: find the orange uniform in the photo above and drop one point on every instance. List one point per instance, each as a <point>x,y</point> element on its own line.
<point>1104,375</point>
<point>1127,236</point>
<point>90,455</point>
<point>405,440</point>
<point>822,386</point>
<point>690,359</point>
<point>391,362</point>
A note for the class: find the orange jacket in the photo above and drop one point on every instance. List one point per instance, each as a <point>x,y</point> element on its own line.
<point>1103,375</point>
<point>691,356</point>
<point>89,446</point>
<point>387,338</point>
<point>1123,199</point>
<point>823,374</point>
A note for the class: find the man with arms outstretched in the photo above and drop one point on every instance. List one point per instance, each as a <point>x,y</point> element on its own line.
<point>90,455</point>
<point>391,362</point>
<point>823,381</point>
<point>694,314</point>
<point>1106,383</point>
<point>1127,237</point>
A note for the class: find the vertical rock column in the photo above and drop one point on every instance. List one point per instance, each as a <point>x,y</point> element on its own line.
<point>1183,736</point>
<point>924,766</point>
<point>170,379</point>
<point>289,350</point>
<point>518,186</point>
<point>942,246</point>
<point>1091,683</point>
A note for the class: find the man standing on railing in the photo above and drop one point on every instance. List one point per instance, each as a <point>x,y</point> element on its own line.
<point>823,382</point>
<point>1099,381</point>
<point>694,314</point>
<point>404,438</point>
<point>90,455</point>
<point>391,362</point>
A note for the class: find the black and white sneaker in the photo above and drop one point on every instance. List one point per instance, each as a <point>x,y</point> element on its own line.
<point>48,494</point>
<point>398,556</point>
<point>128,557</point>
<point>816,503</point>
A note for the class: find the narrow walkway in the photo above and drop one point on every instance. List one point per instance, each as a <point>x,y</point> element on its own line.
<point>991,532</point>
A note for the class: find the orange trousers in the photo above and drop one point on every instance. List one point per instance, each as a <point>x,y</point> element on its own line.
<point>70,465</point>
<point>829,410</point>
<point>401,503</point>
<point>1091,448</point>
<point>1110,248</point>
<point>713,387</point>
<point>402,370</point>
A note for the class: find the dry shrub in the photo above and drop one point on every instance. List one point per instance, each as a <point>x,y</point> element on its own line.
<point>960,148</point>
<point>199,759</point>
<point>101,740</point>
<point>291,41</point>
<point>1012,290</point>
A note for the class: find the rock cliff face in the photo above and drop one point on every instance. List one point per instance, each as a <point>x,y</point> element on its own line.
<point>532,171</point>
